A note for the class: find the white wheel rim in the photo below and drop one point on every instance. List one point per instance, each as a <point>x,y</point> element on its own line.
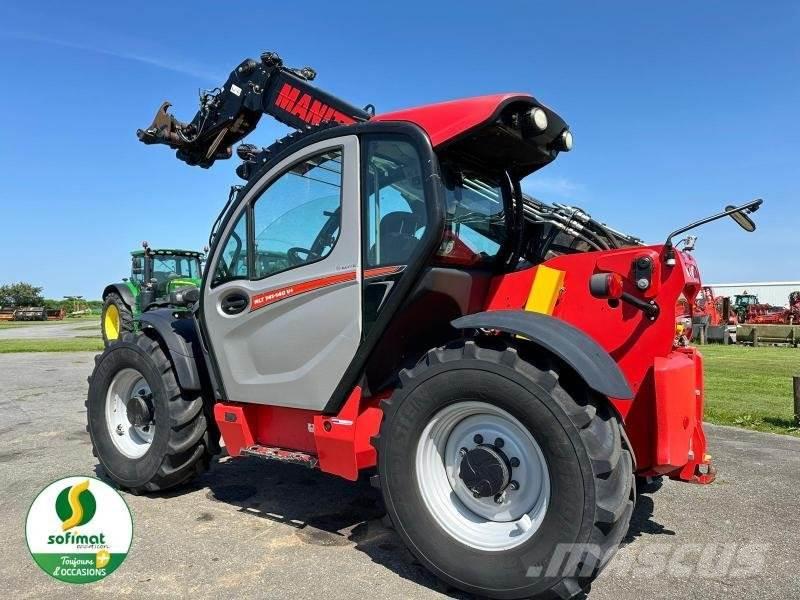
<point>481,523</point>
<point>131,440</point>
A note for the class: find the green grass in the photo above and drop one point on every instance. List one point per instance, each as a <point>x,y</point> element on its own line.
<point>66,321</point>
<point>751,387</point>
<point>52,345</point>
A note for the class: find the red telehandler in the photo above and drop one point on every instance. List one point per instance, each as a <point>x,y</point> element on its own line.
<point>380,297</point>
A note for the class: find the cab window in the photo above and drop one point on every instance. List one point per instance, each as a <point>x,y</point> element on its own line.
<point>475,223</point>
<point>296,221</point>
<point>395,209</point>
<point>232,263</point>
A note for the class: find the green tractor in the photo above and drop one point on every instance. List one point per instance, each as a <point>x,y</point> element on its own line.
<point>740,304</point>
<point>156,276</point>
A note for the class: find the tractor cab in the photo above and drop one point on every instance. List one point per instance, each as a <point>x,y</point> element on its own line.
<point>165,269</point>
<point>741,303</point>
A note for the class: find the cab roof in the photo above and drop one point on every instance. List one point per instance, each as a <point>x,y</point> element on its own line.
<point>489,130</point>
<point>445,121</point>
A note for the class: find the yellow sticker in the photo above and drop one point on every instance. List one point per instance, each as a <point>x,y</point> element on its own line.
<point>545,290</point>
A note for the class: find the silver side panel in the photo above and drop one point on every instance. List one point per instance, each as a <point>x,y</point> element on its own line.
<point>293,352</point>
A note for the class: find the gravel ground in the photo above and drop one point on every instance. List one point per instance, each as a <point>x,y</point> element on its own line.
<point>249,529</point>
<point>52,331</point>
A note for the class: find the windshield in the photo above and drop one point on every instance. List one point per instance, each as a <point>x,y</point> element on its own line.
<point>475,224</point>
<point>173,266</point>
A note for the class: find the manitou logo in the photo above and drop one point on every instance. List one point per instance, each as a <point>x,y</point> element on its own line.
<point>307,108</point>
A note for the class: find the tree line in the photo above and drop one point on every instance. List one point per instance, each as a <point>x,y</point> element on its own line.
<point>26,294</point>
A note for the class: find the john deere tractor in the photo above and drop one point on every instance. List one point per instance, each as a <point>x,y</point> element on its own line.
<point>156,276</point>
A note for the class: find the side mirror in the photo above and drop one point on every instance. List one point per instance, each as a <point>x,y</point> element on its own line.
<point>737,213</point>
<point>742,220</point>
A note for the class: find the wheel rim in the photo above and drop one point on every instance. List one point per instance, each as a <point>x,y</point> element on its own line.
<point>482,522</point>
<point>111,322</point>
<point>132,440</point>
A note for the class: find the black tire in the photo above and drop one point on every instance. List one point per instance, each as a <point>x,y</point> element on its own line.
<point>178,451</point>
<point>125,317</point>
<point>591,472</point>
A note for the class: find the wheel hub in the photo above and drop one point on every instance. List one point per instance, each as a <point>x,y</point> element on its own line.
<point>485,471</point>
<point>130,417</point>
<point>139,410</point>
<point>482,475</point>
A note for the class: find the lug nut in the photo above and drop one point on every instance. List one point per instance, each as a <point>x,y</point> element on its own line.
<point>513,485</point>
<point>478,439</point>
<point>514,462</point>
<point>120,430</point>
<point>499,443</point>
<point>500,498</point>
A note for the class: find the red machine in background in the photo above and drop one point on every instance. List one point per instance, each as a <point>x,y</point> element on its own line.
<point>756,313</point>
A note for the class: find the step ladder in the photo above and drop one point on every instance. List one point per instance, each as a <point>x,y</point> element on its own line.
<point>282,455</point>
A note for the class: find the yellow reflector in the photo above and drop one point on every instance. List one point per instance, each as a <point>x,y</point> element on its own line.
<point>544,292</point>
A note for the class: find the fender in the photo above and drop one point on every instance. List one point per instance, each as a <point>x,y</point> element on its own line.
<point>183,345</point>
<point>585,356</point>
<point>123,291</point>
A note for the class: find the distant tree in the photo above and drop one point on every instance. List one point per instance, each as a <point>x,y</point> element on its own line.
<point>21,294</point>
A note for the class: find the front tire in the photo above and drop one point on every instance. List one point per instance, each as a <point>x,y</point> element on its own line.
<point>147,433</point>
<point>570,459</point>
<point>116,319</point>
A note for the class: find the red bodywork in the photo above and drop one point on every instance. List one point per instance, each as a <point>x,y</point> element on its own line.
<point>664,420</point>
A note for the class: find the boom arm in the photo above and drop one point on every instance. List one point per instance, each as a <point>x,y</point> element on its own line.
<point>229,114</point>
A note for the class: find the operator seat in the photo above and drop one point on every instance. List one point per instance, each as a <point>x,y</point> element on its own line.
<point>162,279</point>
<point>398,238</point>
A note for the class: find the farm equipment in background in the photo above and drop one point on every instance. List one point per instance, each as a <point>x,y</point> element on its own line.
<point>56,314</point>
<point>7,313</point>
<point>752,312</point>
<point>31,313</point>
<point>380,297</point>
<point>157,277</point>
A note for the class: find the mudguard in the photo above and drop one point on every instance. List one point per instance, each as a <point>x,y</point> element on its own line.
<point>183,345</point>
<point>123,291</point>
<point>585,356</point>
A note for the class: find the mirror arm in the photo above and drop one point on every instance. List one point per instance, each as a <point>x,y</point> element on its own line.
<point>669,248</point>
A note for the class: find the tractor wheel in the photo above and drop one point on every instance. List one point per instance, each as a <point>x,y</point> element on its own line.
<point>116,320</point>
<point>147,433</point>
<point>503,473</point>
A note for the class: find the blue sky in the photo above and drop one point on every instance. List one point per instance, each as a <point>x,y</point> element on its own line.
<point>677,108</point>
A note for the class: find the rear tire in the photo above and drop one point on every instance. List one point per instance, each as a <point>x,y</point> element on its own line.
<point>178,447</point>
<point>591,489</point>
<point>116,319</point>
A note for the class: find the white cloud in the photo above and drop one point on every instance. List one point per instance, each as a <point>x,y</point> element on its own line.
<point>560,188</point>
<point>169,64</point>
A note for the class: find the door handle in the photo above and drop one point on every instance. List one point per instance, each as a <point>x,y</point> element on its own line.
<point>233,304</point>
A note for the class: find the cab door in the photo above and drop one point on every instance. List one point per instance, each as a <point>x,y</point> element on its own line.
<point>282,303</point>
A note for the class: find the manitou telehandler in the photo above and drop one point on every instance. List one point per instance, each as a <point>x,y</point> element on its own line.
<point>381,297</point>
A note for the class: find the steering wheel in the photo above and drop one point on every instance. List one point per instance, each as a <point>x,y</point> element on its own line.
<point>293,254</point>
